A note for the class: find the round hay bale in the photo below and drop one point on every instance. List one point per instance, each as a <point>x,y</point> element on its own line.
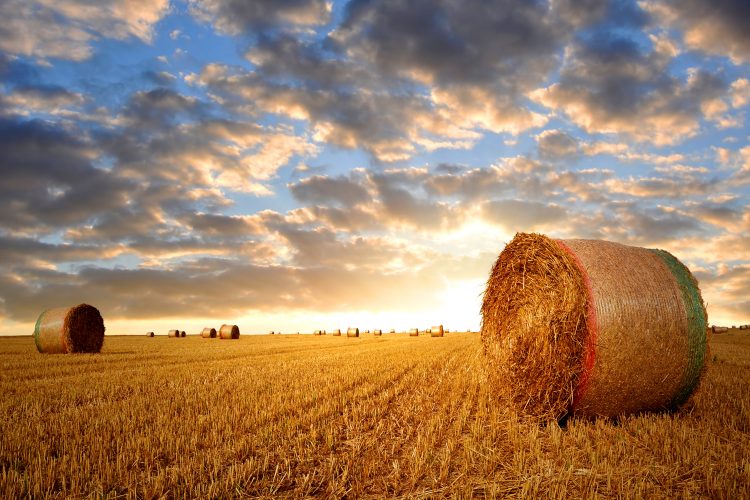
<point>393,330</point>
<point>719,329</point>
<point>149,334</point>
<point>183,334</point>
<point>337,332</point>
<point>69,329</point>
<point>437,331</point>
<point>352,332</point>
<point>414,332</point>
<point>174,333</point>
<point>208,333</point>
<point>229,332</point>
<point>377,332</point>
<point>592,328</point>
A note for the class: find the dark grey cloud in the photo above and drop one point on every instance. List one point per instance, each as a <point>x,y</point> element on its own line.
<point>322,189</point>
<point>48,179</point>
<point>713,26</point>
<point>611,84</point>
<point>557,145</point>
<point>454,42</point>
<point>238,17</point>
<point>524,216</point>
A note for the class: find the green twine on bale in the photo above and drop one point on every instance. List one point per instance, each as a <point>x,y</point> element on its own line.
<point>697,325</point>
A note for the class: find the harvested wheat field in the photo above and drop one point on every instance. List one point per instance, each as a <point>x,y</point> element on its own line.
<point>399,416</point>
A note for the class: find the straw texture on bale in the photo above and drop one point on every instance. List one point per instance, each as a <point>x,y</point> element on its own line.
<point>149,334</point>
<point>174,333</point>
<point>229,332</point>
<point>352,332</point>
<point>414,332</point>
<point>208,333</point>
<point>377,332</point>
<point>69,330</point>
<point>436,331</point>
<point>592,328</point>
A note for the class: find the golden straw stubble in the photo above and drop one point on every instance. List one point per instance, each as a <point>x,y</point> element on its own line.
<point>534,326</point>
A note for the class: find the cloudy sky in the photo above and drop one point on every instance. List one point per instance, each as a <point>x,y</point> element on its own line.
<point>302,164</point>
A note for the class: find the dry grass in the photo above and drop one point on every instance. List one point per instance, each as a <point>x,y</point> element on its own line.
<point>400,417</point>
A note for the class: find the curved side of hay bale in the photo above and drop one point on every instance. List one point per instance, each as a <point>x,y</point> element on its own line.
<point>352,332</point>
<point>337,332</point>
<point>69,329</point>
<point>437,331</point>
<point>208,333</point>
<point>174,333</point>
<point>377,332</point>
<point>566,331</point>
<point>229,332</point>
<point>414,332</point>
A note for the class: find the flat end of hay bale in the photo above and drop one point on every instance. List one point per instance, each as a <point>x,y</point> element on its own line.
<point>534,326</point>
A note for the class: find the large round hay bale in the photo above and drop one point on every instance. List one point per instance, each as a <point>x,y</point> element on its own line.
<point>229,332</point>
<point>174,333</point>
<point>352,332</point>
<point>437,331</point>
<point>69,329</point>
<point>208,333</point>
<point>719,329</point>
<point>183,334</point>
<point>377,332</point>
<point>149,334</point>
<point>414,332</point>
<point>592,328</point>
<point>337,332</point>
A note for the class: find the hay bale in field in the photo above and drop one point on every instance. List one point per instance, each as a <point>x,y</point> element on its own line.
<point>393,330</point>
<point>149,334</point>
<point>352,332</point>
<point>377,332</point>
<point>436,331</point>
<point>173,333</point>
<point>337,332</point>
<point>230,332</point>
<point>592,328</point>
<point>208,333</point>
<point>183,334</point>
<point>69,329</point>
<point>414,332</point>
<point>719,329</point>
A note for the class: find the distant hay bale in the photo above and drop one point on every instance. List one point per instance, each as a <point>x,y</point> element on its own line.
<point>174,333</point>
<point>367,331</point>
<point>352,332</point>
<point>592,328</point>
<point>393,330</point>
<point>229,332</point>
<point>149,334</point>
<point>719,329</point>
<point>69,330</point>
<point>437,331</point>
<point>337,332</point>
<point>414,332</point>
<point>208,333</point>
<point>183,334</point>
<point>377,332</point>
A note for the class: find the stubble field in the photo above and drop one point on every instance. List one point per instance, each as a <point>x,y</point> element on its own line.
<point>297,416</point>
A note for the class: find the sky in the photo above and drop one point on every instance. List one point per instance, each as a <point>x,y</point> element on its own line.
<point>294,165</point>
